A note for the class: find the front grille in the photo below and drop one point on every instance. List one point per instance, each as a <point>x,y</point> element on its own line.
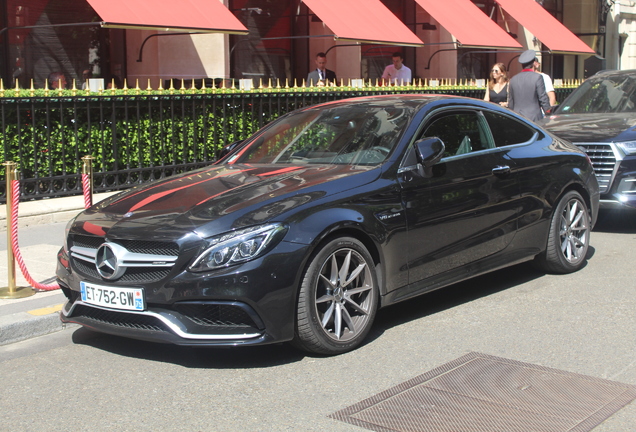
<point>227,316</point>
<point>604,162</point>
<point>85,269</point>
<point>85,266</point>
<point>150,247</point>
<point>87,241</point>
<point>138,246</point>
<point>119,319</point>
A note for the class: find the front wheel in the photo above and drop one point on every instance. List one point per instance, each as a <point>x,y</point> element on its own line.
<point>338,298</point>
<point>568,238</point>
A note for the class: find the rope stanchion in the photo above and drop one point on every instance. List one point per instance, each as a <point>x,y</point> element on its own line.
<point>11,291</point>
<point>87,180</point>
<point>15,246</point>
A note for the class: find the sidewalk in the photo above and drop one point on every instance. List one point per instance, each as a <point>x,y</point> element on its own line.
<point>40,234</point>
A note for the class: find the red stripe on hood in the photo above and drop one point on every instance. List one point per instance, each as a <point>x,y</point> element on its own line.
<point>94,229</point>
<point>281,171</point>
<point>146,189</point>
<point>158,195</point>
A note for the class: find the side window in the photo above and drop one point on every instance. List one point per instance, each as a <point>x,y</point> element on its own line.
<point>508,131</point>
<point>460,132</point>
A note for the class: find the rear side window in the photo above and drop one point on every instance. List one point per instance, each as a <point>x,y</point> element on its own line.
<point>461,133</point>
<point>508,131</point>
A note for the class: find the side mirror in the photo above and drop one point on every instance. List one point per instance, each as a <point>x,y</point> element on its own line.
<point>429,151</point>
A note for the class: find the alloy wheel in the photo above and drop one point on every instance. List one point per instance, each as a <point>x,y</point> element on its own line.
<point>574,231</point>
<point>344,294</point>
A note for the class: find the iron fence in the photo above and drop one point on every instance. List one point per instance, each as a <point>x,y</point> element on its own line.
<point>139,138</point>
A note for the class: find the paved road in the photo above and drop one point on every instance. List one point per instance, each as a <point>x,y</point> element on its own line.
<point>582,323</point>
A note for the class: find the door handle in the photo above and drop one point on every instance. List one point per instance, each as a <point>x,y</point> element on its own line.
<point>501,170</point>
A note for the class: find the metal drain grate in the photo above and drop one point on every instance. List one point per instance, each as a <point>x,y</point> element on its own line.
<point>478,393</point>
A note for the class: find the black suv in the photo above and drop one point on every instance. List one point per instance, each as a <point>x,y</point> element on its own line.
<point>600,118</point>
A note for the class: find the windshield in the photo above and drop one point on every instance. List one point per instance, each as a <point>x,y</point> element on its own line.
<point>362,134</point>
<point>610,94</point>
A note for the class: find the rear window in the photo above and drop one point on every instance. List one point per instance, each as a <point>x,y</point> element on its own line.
<point>508,131</point>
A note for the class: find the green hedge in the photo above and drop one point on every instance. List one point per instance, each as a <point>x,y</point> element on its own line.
<point>133,132</point>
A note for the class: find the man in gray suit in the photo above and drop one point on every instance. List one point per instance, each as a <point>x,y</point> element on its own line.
<point>526,91</point>
<point>321,76</point>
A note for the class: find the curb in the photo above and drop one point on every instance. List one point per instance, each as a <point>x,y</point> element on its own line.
<point>23,325</point>
<point>49,210</point>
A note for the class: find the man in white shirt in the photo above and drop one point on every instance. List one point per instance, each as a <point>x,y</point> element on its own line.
<point>549,88</point>
<point>397,73</point>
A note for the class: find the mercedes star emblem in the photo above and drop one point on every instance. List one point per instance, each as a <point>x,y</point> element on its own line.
<point>107,261</point>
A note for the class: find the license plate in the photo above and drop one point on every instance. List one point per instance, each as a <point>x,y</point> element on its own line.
<point>113,297</point>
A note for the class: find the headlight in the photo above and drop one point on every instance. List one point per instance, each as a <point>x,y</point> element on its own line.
<point>238,246</point>
<point>629,147</point>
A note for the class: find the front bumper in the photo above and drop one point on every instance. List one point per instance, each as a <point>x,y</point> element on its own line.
<point>235,323</point>
<point>248,304</point>
<point>622,193</point>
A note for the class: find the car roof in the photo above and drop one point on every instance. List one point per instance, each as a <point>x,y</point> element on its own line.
<point>412,100</point>
<point>605,73</point>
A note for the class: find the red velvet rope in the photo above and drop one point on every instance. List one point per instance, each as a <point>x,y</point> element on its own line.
<point>16,247</point>
<point>86,188</point>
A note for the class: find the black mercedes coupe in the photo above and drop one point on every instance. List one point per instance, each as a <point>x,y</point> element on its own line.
<point>301,232</point>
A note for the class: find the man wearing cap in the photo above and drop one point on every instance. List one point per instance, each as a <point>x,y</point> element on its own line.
<point>526,91</point>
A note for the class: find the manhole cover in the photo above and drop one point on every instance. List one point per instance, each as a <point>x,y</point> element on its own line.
<point>478,393</point>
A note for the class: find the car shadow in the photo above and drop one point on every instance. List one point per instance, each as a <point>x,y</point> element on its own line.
<point>452,296</point>
<point>616,221</point>
<point>280,354</point>
<point>191,357</point>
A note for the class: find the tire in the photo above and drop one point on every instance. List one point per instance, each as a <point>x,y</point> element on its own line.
<point>568,238</point>
<point>338,298</point>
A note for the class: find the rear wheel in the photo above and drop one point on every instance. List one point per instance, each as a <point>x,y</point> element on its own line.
<point>338,298</point>
<point>569,236</point>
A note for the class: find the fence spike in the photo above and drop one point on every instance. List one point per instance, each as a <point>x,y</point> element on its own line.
<point>149,88</point>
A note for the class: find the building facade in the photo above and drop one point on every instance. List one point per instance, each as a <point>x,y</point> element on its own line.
<point>275,41</point>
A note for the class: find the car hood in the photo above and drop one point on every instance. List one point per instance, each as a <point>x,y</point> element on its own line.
<point>579,128</point>
<point>230,195</point>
